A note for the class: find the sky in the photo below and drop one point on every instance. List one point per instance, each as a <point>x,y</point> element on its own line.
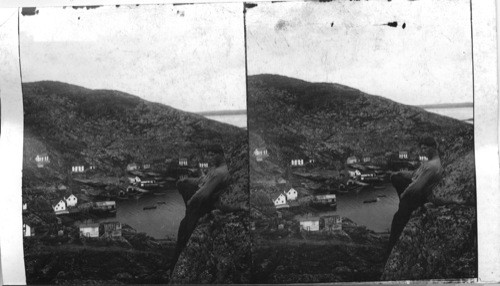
<point>191,57</point>
<point>346,42</point>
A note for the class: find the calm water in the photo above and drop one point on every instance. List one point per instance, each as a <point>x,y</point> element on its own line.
<point>239,120</point>
<point>161,222</point>
<point>375,216</point>
<point>463,113</point>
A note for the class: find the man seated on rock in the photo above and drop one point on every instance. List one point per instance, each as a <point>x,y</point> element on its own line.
<point>413,188</point>
<point>200,196</point>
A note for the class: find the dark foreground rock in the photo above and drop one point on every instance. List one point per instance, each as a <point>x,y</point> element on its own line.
<point>458,186</point>
<point>439,241</point>
<point>219,249</point>
<point>218,252</point>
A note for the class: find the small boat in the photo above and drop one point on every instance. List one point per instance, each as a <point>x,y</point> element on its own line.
<point>149,208</point>
<point>371,201</point>
<point>161,203</point>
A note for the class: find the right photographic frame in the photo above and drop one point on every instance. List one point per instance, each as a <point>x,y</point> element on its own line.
<point>361,136</point>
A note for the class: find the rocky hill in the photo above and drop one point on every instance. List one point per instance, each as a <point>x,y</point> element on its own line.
<point>110,129</point>
<point>330,122</point>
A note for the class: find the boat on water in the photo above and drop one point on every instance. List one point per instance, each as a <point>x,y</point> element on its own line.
<point>371,201</point>
<point>161,203</point>
<point>149,208</point>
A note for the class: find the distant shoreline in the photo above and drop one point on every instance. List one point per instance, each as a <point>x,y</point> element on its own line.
<point>222,112</point>
<point>447,105</point>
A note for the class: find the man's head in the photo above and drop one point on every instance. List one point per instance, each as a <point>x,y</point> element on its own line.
<point>428,147</point>
<point>214,154</point>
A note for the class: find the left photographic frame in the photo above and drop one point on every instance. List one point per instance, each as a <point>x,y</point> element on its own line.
<point>135,144</point>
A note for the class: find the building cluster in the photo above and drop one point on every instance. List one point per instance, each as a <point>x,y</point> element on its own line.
<point>103,229</point>
<point>323,223</point>
<point>43,159</point>
<point>70,205</point>
<point>281,199</point>
<point>63,205</point>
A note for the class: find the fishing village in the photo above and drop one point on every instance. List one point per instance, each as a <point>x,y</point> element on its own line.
<point>309,188</point>
<point>86,207</point>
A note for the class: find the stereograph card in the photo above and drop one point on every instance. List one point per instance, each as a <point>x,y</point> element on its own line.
<point>249,142</point>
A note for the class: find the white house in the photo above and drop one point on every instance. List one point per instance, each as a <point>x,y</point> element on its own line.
<point>203,165</point>
<point>281,181</point>
<point>352,160</point>
<point>89,230</point>
<point>309,223</point>
<point>403,154</point>
<point>297,162</point>
<point>422,158</point>
<point>280,200</point>
<point>183,162</point>
<point>291,195</point>
<point>78,169</point>
<point>133,180</point>
<point>25,206</point>
<point>41,160</point>
<point>132,167</point>
<point>60,206</point>
<point>71,201</point>
<point>260,154</point>
<point>27,230</point>
<point>146,166</point>
<point>367,159</point>
<point>354,173</point>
